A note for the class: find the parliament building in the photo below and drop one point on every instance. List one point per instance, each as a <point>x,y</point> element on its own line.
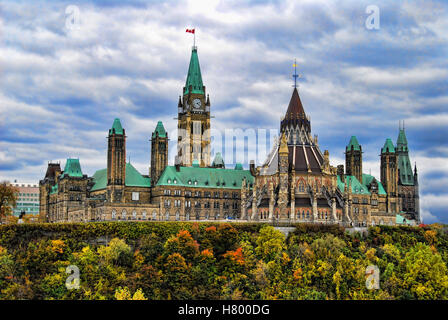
<point>296,183</point>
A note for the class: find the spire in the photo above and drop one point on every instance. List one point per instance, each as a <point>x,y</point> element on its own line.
<point>194,78</point>
<point>402,142</point>
<point>116,127</point>
<point>295,108</point>
<point>353,143</point>
<point>283,144</point>
<point>404,163</point>
<point>160,129</point>
<point>388,146</point>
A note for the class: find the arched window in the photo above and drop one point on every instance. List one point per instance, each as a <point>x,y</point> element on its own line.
<point>114,214</point>
<point>134,215</point>
<point>177,216</point>
<point>123,214</point>
<point>144,215</point>
<point>167,215</point>
<point>301,187</point>
<point>187,216</point>
<point>154,215</point>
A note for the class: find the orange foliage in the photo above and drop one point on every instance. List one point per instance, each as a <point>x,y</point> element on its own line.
<point>207,253</point>
<point>236,256</point>
<point>211,228</point>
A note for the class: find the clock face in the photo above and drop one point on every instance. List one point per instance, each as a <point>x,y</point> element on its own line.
<point>196,103</point>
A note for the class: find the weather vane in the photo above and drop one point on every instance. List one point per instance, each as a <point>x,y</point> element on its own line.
<point>295,75</point>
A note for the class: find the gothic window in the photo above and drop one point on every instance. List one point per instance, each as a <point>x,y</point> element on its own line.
<point>177,216</point>
<point>207,215</point>
<point>134,215</point>
<point>144,215</point>
<point>154,215</point>
<point>123,214</point>
<point>167,215</point>
<point>187,216</point>
<point>301,187</point>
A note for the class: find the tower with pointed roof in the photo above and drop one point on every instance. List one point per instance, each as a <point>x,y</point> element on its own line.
<point>407,179</point>
<point>116,162</point>
<point>389,174</point>
<point>194,118</point>
<point>159,152</point>
<point>353,159</point>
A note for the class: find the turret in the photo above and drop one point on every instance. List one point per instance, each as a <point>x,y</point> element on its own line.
<point>353,159</point>
<point>159,152</point>
<point>116,161</point>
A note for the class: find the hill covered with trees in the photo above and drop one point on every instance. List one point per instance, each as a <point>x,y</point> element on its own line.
<point>179,260</point>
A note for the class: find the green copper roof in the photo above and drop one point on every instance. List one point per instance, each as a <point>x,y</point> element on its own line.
<point>133,178</point>
<point>353,143</point>
<point>117,127</point>
<point>204,177</point>
<point>238,166</point>
<point>399,219</point>
<point>388,146</point>
<point>160,130</point>
<point>72,168</point>
<point>218,161</point>
<point>100,180</point>
<point>358,187</point>
<point>404,164</point>
<point>402,142</point>
<point>194,77</point>
<point>367,179</point>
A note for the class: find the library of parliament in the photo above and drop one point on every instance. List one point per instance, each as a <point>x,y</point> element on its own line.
<point>296,183</point>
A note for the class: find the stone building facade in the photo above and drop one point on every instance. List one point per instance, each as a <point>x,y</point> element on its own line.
<point>296,183</point>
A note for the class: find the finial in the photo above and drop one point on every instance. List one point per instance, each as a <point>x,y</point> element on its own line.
<point>295,75</point>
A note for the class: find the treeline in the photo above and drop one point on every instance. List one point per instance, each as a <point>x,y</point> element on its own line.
<point>179,260</point>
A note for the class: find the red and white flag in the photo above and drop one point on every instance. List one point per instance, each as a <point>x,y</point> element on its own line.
<point>190,30</point>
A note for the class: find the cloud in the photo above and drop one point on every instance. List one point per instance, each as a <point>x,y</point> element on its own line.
<point>61,88</point>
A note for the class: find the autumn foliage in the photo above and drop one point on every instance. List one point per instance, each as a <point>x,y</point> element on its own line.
<point>178,260</point>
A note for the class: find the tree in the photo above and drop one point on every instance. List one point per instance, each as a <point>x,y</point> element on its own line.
<point>8,199</point>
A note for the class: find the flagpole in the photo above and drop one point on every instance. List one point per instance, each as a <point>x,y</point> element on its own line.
<point>194,37</point>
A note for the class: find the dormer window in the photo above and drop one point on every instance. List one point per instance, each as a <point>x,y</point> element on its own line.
<point>189,181</point>
<point>175,181</point>
<point>169,180</point>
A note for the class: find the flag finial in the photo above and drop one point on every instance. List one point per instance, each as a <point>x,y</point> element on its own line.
<point>193,31</point>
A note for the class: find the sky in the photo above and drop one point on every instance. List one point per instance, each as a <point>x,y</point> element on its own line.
<point>68,68</point>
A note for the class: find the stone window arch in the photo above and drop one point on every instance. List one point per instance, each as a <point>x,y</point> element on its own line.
<point>144,215</point>
<point>154,215</point>
<point>134,214</point>
<point>123,214</point>
<point>114,214</point>
<point>177,215</point>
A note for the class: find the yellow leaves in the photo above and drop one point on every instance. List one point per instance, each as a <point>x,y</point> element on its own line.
<point>431,236</point>
<point>125,294</point>
<point>370,254</point>
<point>57,246</point>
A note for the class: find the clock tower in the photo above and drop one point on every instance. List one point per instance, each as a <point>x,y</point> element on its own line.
<point>193,118</point>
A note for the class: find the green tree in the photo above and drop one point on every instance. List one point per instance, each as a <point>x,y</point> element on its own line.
<point>8,199</point>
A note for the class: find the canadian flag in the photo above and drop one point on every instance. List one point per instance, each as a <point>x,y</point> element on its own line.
<point>190,30</point>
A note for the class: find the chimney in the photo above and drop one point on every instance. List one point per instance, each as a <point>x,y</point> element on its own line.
<point>252,168</point>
